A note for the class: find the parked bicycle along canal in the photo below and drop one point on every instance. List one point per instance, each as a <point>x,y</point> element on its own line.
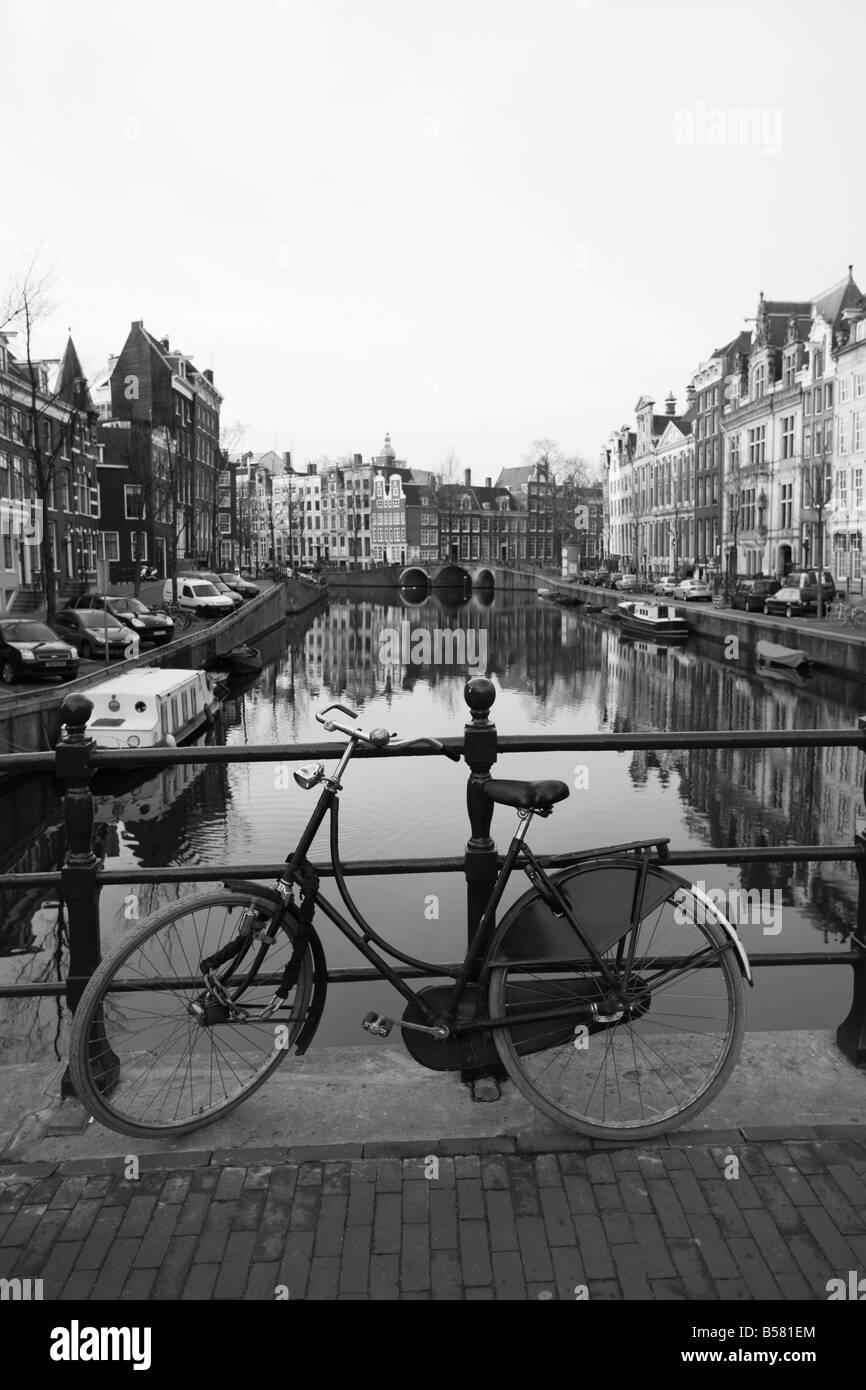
<point>403,664</point>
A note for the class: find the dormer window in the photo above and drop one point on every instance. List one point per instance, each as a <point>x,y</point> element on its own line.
<point>465,504</point>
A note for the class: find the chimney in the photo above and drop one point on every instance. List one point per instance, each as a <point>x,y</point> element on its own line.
<point>670,404</point>
<point>488,482</point>
<point>311,470</point>
<point>690,395</point>
<point>163,342</point>
<point>467,477</point>
<point>208,375</point>
<point>287,461</point>
<point>357,460</point>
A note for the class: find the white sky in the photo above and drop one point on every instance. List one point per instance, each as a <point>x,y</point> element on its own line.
<point>472,223</point>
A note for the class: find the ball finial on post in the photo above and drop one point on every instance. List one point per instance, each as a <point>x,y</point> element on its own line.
<point>479,694</point>
<point>75,711</point>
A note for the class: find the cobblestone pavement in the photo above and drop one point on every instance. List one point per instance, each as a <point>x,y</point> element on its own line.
<point>679,1220</point>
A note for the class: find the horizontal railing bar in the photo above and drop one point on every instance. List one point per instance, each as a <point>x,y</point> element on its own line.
<point>370,868</point>
<point>365,975</point>
<point>507,743</point>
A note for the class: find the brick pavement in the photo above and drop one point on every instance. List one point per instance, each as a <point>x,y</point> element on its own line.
<point>502,1218</point>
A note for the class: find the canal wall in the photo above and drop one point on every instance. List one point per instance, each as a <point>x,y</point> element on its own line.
<point>32,723</point>
<point>840,653</point>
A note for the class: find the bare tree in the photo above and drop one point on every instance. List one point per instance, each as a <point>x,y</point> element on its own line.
<point>52,419</point>
<point>817,495</point>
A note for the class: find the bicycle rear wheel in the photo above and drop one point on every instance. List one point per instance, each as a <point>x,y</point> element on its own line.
<point>173,1073</point>
<point>681,1007</point>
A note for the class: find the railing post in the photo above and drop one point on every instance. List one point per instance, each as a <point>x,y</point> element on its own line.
<point>480,863</point>
<point>851,1034</point>
<point>79,889</point>
<point>479,749</point>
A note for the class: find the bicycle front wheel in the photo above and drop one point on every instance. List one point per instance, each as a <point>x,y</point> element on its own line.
<point>144,1061</point>
<point>668,1036</point>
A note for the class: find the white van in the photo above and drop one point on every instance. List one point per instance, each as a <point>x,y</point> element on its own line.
<point>198,596</point>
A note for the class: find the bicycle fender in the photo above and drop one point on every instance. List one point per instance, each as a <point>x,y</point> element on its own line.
<point>320,965</point>
<point>723,924</point>
<point>531,928</point>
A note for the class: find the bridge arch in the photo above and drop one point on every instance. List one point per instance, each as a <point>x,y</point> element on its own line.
<point>414,578</point>
<point>453,576</point>
<point>484,579</point>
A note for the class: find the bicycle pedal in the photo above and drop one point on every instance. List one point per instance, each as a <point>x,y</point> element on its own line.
<point>377,1024</point>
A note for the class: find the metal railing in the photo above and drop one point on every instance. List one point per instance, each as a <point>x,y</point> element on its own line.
<point>82,876</point>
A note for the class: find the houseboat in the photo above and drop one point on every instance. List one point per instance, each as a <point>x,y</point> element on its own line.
<point>658,620</point>
<point>150,708</point>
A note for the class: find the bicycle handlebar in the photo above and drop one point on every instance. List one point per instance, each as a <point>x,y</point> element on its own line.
<point>379,738</point>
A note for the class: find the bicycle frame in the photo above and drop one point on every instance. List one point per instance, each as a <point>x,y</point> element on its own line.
<point>361,934</point>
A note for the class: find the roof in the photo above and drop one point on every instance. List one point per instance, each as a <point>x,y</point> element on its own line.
<point>516,477</point>
<point>71,382</point>
<point>147,680</point>
<point>840,296</point>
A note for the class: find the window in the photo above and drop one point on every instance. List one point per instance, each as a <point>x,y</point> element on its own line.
<point>857,487</point>
<point>859,384</point>
<point>757,444</point>
<point>844,389</point>
<point>857,442</point>
<point>788,437</point>
<point>107,545</point>
<point>225,522</point>
<point>787,505</point>
<point>759,380</point>
<point>790,369</point>
<point>95,501</point>
<point>734,452</point>
<point>828,396</point>
<point>844,436</point>
<point>842,487</point>
<point>132,502</point>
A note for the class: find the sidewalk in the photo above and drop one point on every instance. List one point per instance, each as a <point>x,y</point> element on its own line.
<point>498,1221</point>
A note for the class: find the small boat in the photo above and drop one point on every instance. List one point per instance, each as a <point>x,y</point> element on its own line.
<point>150,708</point>
<point>240,661</point>
<point>770,656</point>
<point>658,619</point>
<point>547,594</point>
<point>568,600</point>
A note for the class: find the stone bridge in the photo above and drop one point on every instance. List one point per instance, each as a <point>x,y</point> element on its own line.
<point>450,574</point>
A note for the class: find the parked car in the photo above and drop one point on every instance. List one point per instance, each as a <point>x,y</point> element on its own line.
<point>807,583</point>
<point>627,583</point>
<point>689,589</point>
<point>149,626</point>
<point>789,601</point>
<point>198,596</point>
<point>219,584</point>
<point>666,585</point>
<point>750,594</point>
<point>240,585</point>
<point>86,630</point>
<point>601,579</point>
<point>29,648</point>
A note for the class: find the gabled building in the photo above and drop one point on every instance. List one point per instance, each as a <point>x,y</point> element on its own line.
<point>481,523</point>
<point>160,436</point>
<point>534,490</point>
<point>56,402</point>
<point>846,516</point>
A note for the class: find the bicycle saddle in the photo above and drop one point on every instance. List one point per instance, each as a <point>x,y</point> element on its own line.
<point>528,796</point>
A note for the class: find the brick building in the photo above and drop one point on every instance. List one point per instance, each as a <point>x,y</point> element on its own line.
<point>68,512</point>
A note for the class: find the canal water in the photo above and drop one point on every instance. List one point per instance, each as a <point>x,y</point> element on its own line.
<point>554,672</point>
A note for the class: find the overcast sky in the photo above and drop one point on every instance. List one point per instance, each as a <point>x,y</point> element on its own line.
<point>471,223</point>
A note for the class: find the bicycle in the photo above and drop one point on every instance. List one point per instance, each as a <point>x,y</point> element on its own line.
<point>611,992</point>
<point>845,613</point>
<point>181,617</point>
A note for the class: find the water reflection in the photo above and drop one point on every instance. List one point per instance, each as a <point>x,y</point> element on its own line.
<point>555,671</point>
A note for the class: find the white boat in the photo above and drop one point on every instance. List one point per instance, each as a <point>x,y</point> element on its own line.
<point>150,708</point>
<point>770,656</point>
<point>658,619</point>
